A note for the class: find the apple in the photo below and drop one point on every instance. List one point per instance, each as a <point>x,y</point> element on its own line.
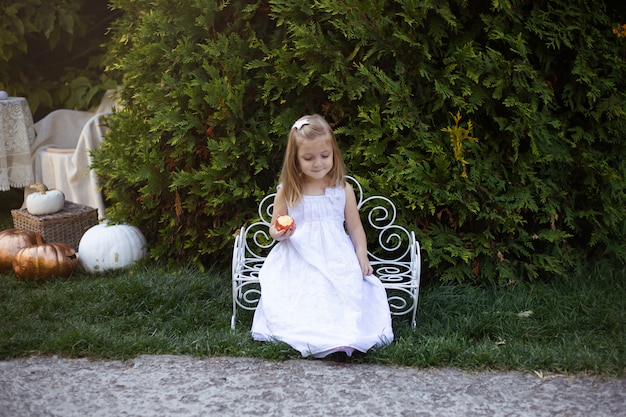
<point>284,222</point>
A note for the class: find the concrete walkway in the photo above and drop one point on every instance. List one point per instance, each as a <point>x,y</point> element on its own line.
<point>223,386</point>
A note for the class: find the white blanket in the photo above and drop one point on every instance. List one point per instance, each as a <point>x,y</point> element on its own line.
<point>61,153</point>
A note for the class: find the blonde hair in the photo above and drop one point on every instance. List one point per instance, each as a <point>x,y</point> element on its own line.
<point>311,127</point>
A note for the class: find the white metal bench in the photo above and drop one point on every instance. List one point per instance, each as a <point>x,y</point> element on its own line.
<point>396,258</point>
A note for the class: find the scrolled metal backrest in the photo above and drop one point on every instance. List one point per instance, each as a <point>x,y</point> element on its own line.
<point>258,241</point>
<point>378,214</point>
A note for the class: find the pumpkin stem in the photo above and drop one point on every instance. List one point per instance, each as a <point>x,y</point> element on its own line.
<point>38,238</point>
<point>41,187</point>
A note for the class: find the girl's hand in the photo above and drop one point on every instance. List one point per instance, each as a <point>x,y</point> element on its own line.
<point>280,208</point>
<point>282,234</point>
<point>366,267</point>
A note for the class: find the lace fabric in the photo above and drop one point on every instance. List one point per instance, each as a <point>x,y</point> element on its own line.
<point>17,133</point>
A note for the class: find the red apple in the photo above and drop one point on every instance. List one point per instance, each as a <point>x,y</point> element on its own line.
<point>285,222</point>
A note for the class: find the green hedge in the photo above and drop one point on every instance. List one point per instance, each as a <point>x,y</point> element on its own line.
<point>497,127</point>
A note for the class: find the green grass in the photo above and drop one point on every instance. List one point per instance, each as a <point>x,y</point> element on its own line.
<point>573,326</point>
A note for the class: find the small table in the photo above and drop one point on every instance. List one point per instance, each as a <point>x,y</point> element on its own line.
<point>17,133</point>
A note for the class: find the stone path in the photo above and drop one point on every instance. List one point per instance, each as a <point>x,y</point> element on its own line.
<point>153,386</point>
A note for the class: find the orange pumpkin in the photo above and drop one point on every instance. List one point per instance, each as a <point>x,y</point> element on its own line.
<point>43,261</point>
<point>12,240</point>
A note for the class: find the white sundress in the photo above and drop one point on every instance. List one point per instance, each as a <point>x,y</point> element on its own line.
<point>313,294</point>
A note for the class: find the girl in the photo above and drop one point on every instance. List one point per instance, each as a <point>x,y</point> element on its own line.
<point>318,293</point>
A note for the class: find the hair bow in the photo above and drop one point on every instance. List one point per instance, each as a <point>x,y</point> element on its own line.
<point>299,123</point>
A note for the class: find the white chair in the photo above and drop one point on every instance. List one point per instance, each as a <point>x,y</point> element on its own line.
<point>394,254</point>
<point>61,153</point>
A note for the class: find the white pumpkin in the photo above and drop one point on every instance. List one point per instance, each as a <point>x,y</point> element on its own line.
<point>44,201</point>
<point>105,247</point>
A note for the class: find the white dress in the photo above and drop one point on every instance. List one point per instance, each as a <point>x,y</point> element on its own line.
<point>313,294</point>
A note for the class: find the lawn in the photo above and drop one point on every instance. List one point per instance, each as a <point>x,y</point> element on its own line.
<point>573,326</point>
<point>577,325</point>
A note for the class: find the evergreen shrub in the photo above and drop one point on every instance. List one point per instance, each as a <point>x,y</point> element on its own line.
<point>497,127</point>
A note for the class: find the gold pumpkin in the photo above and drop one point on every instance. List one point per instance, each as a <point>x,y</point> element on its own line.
<point>43,261</point>
<point>12,240</point>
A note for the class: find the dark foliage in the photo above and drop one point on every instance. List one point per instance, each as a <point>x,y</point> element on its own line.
<point>497,127</point>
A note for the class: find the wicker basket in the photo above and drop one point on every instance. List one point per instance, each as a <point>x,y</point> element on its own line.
<point>66,226</point>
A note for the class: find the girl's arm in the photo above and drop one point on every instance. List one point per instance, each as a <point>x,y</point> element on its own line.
<point>280,208</point>
<point>356,231</point>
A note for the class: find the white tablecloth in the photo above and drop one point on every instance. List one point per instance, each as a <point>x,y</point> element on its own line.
<point>17,133</point>
<point>62,155</point>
